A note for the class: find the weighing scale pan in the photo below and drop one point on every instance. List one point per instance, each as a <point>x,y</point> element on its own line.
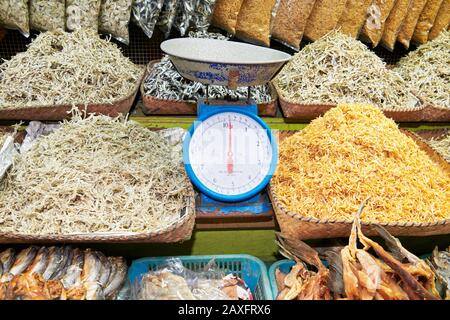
<point>224,63</point>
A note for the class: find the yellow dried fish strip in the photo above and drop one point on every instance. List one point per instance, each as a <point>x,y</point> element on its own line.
<point>254,21</point>
<point>353,17</point>
<point>290,21</point>
<point>442,20</point>
<point>340,69</point>
<point>67,68</point>
<point>350,154</point>
<point>409,24</point>
<point>225,14</point>
<point>426,21</point>
<point>323,18</point>
<point>95,175</point>
<point>427,72</point>
<point>374,26</point>
<point>394,22</point>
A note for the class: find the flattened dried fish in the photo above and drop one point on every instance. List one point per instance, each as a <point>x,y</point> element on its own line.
<point>67,259</point>
<point>40,262</point>
<point>7,259</point>
<point>23,260</point>
<point>55,262</point>
<point>73,274</point>
<point>117,278</point>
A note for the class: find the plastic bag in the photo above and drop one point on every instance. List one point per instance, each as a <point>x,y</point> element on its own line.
<point>394,22</point>
<point>409,24</point>
<point>8,150</point>
<point>323,18</point>
<point>442,20</point>
<point>203,15</point>
<point>146,13</point>
<point>186,12</point>
<point>47,15</point>
<point>254,21</point>
<point>373,29</point>
<point>82,14</point>
<point>225,15</point>
<point>290,21</point>
<point>426,21</point>
<point>167,16</point>
<point>14,15</point>
<point>175,282</point>
<point>353,17</point>
<point>114,19</point>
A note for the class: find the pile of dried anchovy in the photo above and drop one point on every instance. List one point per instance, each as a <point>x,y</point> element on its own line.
<point>340,69</point>
<point>67,68</point>
<point>167,16</point>
<point>164,82</point>
<point>427,70</point>
<point>92,175</point>
<point>47,15</point>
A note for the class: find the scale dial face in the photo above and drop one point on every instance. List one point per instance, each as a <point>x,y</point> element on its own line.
<point>231,155</point>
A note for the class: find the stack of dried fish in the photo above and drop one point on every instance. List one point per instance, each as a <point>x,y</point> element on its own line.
<point>440,263</point>
<point>427,70</point>
<point>340,69</point>
<point>95,175</point>
<point>356,274</point>
<point>164,82</point>
<point>60,273</point>
<point>67,68</point>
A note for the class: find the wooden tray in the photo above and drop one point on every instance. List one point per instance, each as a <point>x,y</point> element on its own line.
<point>60,112</point>
<point>303,228</point>
<point>155,106</point>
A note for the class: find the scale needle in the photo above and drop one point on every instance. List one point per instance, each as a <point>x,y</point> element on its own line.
<point>230,152</point>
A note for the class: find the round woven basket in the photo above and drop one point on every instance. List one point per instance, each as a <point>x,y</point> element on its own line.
<point>181,230</point>
<point>300,227</point>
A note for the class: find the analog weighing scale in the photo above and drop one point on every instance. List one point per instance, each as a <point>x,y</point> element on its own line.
<point>229,153</point>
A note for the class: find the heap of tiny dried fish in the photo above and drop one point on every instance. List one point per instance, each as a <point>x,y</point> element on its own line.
<point>82,14</point>
<point>59,68</point>
<point>356,274</point>
<point>60,273</point>
<point>340,69</point>
<point>427,70</point>
<point>95,175</point>
<point>114,18</point>
<point>47,15</point>
<point>353,152</point>
<point>440,263</point>
<point>442,146</point>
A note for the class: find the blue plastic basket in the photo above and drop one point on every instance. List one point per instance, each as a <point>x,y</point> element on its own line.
<point>249,268</point>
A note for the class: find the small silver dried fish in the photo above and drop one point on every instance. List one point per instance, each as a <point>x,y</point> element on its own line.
<point>114,19</point>
<point>203,14</point>
<point>14,15</point>
<point>145,14</point>
<point>167,16</point>
<point>186,12</point>
<point>82,14</point>
<point>47,14</point>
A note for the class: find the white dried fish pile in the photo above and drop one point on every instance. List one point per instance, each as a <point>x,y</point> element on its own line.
<point>60,273</point>
<point>75,68</point>
<point>427,70</point>
<point>340,69</point>
<point>95,175</point>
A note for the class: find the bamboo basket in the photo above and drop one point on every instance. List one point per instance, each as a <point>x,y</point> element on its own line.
<point>155,106</point>
<point>61,112</point>
<point>303,228</point>
<point>179,231</point>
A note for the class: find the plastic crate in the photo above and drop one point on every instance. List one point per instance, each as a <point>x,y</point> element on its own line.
<point>251,269</point>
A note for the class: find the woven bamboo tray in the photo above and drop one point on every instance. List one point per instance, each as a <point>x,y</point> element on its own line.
<point>61,112</point>
<point>155,106</point>
<point>437,134</point>
<point>303,228</point>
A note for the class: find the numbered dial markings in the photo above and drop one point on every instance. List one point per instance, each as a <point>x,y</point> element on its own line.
<point>230,153</point>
